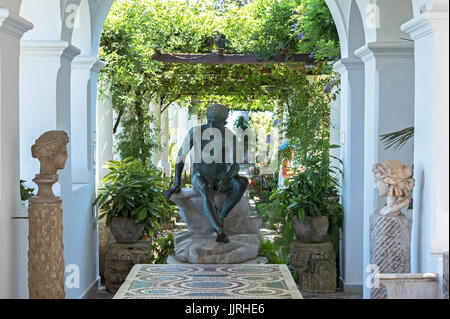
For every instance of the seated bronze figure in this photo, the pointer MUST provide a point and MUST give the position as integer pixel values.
(221, 174)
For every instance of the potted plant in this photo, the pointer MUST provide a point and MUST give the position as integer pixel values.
(309, 203)
(131, 198)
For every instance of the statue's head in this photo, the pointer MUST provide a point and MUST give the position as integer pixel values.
(50, 148)
(217, 115)
(393, 178)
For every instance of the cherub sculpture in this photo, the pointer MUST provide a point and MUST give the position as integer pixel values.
(394, 181)
(51, 151)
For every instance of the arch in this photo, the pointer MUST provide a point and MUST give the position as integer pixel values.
(99, 11)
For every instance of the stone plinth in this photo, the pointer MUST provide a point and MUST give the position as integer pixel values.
(390, 247)
(445, 276)
(46, 251)
(316, 264)
(120, 259)
(198, 245)
(104, 238)
(409, 286)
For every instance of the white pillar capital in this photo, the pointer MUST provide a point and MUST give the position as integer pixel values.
(49, 49)
(98, 66)
(13, 25)
(386, 50)
(348, 65)
(426, 23)
(90, 63)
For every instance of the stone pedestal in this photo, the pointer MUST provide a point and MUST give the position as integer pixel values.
(390, 247)
(104, 239)
(410, 286)
(120, 258)
(46, 251)
(316, 264)
(445, 276)
(198, 245)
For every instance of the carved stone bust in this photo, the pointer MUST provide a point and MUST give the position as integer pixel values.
(51, 151)
(395, 181)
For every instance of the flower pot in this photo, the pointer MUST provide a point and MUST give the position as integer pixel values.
(312, 230)
(125, 230)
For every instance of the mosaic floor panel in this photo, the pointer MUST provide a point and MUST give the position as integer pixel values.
(209, 282)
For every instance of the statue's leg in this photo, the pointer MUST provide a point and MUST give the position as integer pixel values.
(201, 186)
(238, 185)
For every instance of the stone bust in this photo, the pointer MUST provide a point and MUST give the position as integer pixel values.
(51, 151)
(395, 181)
(221, 174)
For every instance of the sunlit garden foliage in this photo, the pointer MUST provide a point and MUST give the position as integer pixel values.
(134, 31)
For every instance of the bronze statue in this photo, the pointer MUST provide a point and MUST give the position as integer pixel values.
(220, 174)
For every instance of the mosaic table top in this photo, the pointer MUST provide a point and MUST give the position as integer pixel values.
(209, 282)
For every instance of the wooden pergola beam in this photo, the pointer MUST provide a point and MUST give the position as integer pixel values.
(215, 58)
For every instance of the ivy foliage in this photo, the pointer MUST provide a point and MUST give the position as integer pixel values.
(136, 30)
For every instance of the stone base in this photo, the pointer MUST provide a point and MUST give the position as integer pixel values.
(390, 247)
(445, 276)
(105, 238)
(204, 249)
(172, 260)
(316, 264)
(199, 246)
(410, 286)
(46, 251)
(120, 259)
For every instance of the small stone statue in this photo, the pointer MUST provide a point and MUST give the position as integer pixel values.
(219, 175)
(394, 180)
(51, 151)
(45, 220)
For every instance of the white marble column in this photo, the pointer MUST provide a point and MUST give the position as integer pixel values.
(12, 28)
(389, 107)
(104, 133)
(155, 125)
(351, 140)
(165, 140)
(184, 125)
(429, 30)
(84, 72)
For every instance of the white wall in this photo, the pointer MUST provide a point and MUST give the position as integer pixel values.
(57, 93)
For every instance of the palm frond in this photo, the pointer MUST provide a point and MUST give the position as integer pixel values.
(398, 139)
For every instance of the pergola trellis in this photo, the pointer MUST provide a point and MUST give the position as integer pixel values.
(219, 58)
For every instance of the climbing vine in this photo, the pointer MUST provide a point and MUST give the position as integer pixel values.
(136, 30)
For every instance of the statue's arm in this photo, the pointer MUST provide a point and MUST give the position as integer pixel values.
(181, 158)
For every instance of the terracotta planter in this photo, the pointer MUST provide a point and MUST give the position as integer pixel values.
(125, 230)
(312, 230)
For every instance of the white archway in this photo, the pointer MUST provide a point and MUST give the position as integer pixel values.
(377, 72)
(59, 73)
